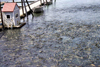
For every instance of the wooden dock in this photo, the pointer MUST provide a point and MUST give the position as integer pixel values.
(33, 6)
(16, 27)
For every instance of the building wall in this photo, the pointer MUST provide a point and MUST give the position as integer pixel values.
(8, 13)
(5, 17)
(17, 19)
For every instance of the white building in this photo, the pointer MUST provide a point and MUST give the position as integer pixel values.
(11, 15)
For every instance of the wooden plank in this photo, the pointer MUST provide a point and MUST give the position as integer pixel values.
(16, 27)
(25, 1)
(1, 27)
(1, 16)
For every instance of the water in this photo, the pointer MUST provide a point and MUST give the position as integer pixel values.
(19, 4)
(15, 0)
(66, 34)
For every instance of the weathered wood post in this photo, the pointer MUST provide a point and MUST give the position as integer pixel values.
(46, 2)
(13, 0)
(29, 7)
(51, 0)
(25, 9)
(41, 2)
(22, 7)
(55, 0)
(1, 16)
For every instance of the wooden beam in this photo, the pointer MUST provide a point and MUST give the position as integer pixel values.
(25, 1)
(12, 0)
(25, 8)
(22, 7)
(41, 2)
(46, 1)
(1, 15)
(29, 7)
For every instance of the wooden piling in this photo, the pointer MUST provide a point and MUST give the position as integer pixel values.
(28, 5)
(22, 7)
(25, 8)
(33, 6)
(41, 2)
(1, 15)
(29, 8)
(46, 2)
(12, 0)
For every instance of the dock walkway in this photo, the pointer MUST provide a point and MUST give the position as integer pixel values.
(32, 6)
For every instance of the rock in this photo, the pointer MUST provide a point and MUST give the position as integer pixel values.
(26, 48)
(38, 9)
(93, 65)
(40, 51)
(65, 38)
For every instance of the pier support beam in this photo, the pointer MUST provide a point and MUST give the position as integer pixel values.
(29, 7)
(12, 0)
(25, 9)
(1, 16)
(41, 2)
(22, 7)
(46, 2)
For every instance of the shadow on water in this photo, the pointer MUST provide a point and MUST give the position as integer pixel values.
(38, 14)
(2, 33)
(12, 34)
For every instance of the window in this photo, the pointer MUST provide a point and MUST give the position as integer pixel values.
(16, 15)
(8, 16)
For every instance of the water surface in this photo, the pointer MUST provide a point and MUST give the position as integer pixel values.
(66, 34)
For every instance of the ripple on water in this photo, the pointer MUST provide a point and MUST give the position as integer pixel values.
(59, 37)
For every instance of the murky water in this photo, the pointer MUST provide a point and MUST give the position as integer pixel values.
(66, 34)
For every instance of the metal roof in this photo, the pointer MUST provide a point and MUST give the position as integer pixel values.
(9, 7)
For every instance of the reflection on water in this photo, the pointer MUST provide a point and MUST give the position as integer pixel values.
(59, 37)
(38, 14)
